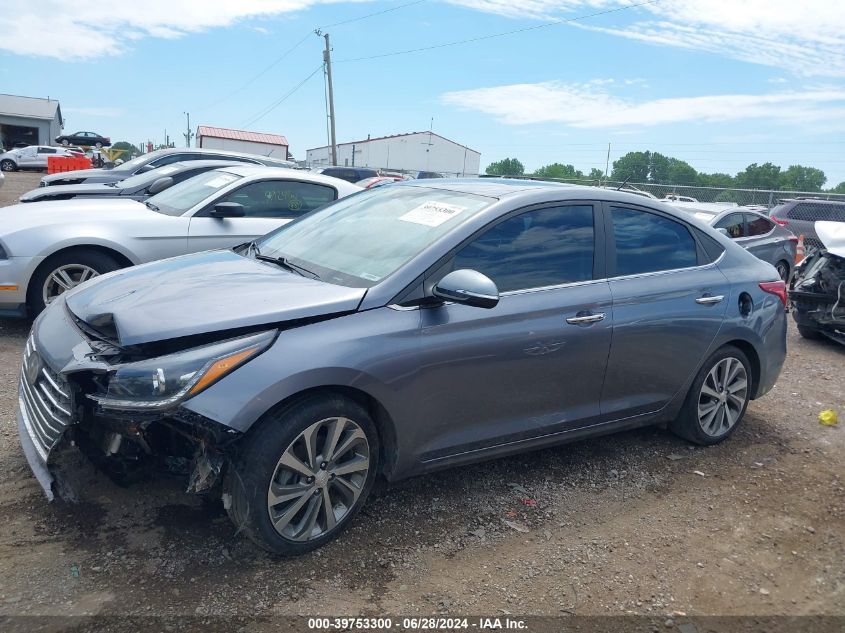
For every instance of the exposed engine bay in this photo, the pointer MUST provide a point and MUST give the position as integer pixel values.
(818, 288)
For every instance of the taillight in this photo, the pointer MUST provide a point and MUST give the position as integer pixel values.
(778, 220)
(777, 288)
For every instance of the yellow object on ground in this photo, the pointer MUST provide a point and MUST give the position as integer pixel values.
(828, 417)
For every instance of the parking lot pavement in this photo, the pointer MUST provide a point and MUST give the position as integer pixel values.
(634, 523)
(18, 182)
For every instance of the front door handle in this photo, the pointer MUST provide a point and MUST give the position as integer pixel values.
(710, 300)
(587, 318)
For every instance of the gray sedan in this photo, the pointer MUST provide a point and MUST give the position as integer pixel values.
(140, 187)
(46, 248)
(401, 330)
(754, 232)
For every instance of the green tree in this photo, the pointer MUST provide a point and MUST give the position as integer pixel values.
(800, 178)
(634, 166)
(715, 180)
(840, 188)
(556, 170)
(765, 176)
(595, 174)
(506, 167)
(129, 149)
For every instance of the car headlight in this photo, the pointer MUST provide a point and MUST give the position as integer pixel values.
(163, 382)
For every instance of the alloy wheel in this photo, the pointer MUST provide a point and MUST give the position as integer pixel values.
(318, 479)
(723, 396)
(7, 165)
(783, 271)
(64, 278)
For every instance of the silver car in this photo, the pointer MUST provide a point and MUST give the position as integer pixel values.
(47, 248)
(753, 231)
(401, 330)
(30, 157)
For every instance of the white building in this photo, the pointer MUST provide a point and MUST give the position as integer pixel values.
(29, 121)
(410, 153)
(273, 145)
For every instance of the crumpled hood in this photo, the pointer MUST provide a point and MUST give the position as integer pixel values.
(57, 191)
(832, 235)
(200, 293)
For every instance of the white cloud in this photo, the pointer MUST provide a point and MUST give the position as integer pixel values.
(590, 105)
(805, 38)
(86, 29)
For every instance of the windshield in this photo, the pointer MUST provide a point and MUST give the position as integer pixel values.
(360, 240)
(147, 178)
(181, 197)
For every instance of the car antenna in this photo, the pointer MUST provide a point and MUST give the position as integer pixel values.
(624, 182)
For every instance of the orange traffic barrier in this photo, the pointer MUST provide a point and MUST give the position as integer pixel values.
(799, 250)
(61, 164)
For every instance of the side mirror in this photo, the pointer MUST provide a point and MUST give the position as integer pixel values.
(724, 232)
(159, 185)
(145, 169)
(469, 287)
(228, 210)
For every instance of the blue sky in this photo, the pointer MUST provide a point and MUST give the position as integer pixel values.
(717, 83)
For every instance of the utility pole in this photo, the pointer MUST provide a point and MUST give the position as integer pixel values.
(188, 134)
(607, 164)
(327, 60)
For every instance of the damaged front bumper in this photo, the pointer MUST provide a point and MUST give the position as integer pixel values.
(57, 417)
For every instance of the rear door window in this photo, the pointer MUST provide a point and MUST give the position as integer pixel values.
(647, 242)
(734, 224)
(758, 225)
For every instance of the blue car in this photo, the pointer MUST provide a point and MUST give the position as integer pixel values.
(398, 331)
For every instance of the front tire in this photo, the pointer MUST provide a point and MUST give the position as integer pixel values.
(65, 142)
(303, 474)
(717, 399)
(809, 333)
(8, 165)
(61, 272)
(783, 270)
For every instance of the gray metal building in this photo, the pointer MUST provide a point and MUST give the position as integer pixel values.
(29, 120)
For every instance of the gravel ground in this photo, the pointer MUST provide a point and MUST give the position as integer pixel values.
(635, 523)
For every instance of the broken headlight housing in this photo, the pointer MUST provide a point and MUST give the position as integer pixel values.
(163, 382)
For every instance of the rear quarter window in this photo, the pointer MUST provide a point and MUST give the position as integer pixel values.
(647, 242)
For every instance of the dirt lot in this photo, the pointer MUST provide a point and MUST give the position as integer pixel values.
(637, 523)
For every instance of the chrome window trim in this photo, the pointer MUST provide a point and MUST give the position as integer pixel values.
(671, 270)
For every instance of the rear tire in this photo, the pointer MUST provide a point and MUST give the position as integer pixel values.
(809, 333)
(783, 270)
(717, 399)
(288, 510)
(8, 165)
(78, 266)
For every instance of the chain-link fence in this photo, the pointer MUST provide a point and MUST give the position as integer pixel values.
(728, 195)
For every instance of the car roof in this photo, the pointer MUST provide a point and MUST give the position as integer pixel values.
(262, 171)
(208, 150)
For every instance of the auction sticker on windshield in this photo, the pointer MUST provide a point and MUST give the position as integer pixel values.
(432, 213)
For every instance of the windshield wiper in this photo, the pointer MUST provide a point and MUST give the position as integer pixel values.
(150, 205)
(286, 263)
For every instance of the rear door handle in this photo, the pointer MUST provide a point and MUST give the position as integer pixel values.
(587, 318)
(709, 300)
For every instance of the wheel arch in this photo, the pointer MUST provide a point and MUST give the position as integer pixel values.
(753, 357)
(383, 420)
(118, 255)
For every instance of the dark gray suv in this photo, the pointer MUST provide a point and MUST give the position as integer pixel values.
(801, 214)
(397, 331)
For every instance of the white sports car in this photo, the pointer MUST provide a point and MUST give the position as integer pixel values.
(49, 247)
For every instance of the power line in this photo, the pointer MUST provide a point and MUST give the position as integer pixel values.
(495, 35)
(371, 15)
(282, 99)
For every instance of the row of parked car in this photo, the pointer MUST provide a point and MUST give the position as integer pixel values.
(326, 334)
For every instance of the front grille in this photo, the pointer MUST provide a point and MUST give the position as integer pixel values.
(46, 400)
